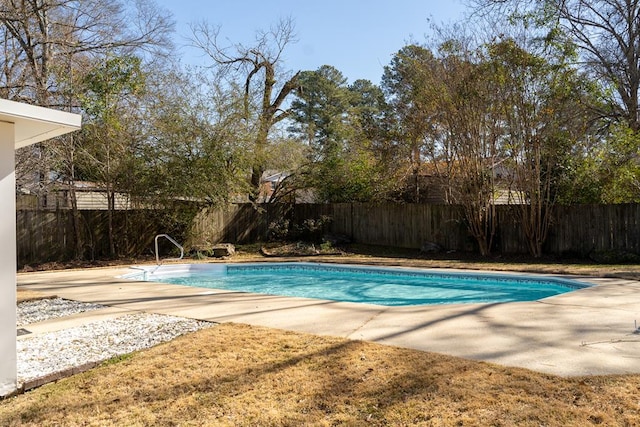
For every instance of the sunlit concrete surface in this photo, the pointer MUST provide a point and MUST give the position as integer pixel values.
(591, 331)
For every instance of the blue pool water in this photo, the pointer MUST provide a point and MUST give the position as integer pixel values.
(371, 285)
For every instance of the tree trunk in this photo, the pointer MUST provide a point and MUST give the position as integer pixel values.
(110, 209)
(75, 220)
(481, 225)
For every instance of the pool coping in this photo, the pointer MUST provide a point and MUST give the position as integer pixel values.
(590, 331)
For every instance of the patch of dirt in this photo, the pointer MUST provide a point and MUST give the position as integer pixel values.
(298, 249)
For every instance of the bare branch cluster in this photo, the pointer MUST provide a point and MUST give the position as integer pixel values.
(265, 87)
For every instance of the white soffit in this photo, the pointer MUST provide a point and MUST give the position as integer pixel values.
(35, 124)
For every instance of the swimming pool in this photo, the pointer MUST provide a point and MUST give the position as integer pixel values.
(387, 286)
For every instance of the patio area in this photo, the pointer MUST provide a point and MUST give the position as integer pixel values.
(591, 331)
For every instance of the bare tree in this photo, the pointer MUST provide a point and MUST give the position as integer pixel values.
(607, 35)
(472, 141)
(48, 45)
(257, 69)
(46, 35)
(541, 102)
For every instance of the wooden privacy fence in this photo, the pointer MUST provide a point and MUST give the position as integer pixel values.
(577, 230)
(49, 236)
(404, 226)
(391, 225)
(586, 228)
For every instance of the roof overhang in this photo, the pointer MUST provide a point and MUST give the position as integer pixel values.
(35, 124)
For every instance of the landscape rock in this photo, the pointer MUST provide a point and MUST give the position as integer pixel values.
(49, 356)
(431, 247)
(223, 250)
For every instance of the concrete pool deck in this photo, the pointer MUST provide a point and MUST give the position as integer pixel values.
(591, 331)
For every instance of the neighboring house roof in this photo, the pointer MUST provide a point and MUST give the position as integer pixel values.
(88, 195)
(272, 176)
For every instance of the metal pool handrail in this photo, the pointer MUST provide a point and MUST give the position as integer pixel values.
(169, 238)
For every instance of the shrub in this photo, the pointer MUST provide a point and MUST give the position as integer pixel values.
(311, 229)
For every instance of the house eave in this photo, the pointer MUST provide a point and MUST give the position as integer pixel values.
(33, 124)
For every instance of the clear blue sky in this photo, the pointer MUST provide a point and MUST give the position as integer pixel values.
(358, 37)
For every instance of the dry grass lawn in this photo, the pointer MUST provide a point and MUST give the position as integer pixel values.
(237, 375)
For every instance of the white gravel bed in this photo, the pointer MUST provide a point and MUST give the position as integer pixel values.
(44, 309)
(53, 352)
